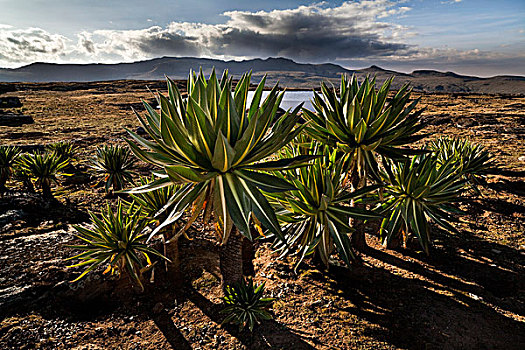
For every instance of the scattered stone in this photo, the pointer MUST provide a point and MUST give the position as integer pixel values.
(76, 179)
(10, 216)
(15, 120)
(474, 296)
(10, 102)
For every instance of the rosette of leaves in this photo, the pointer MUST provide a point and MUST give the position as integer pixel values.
(364, 123)
(315, 216)
(64, 150)
(43, 168)
(154, 205)
(216, 146)
(418, 191)
(115, 239)
(115, 163)
(245, 304)
(8, 157)
(472, 160)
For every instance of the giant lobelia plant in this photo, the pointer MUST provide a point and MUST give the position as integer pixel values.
(365, 124)
(472, 160)
(416, 192)
(217, 146)
(316, 214)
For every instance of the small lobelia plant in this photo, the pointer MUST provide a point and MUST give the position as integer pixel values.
(155, 204)
(155, 207)
(315, 216)
(116, 239)
(217, 147)
(472, 161)
(22, 174)
(64, 150)
(43, 168)
(418, 191)
(245, 305)
(115, 163)
(8, 157)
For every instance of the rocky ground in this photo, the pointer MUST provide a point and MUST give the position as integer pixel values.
(468, 294)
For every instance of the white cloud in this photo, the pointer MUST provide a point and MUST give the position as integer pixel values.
(353, 33)
(315, 32)
(31, 44)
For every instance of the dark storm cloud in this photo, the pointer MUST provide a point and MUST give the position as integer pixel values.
(315, 33)
(321, 46)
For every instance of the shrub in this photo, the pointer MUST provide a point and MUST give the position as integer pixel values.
(245, 305)
(418, 191)
(116, 240)
(8, 157)
(42, 168)
(115, 163)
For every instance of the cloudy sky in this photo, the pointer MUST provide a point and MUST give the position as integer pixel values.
(466, 36)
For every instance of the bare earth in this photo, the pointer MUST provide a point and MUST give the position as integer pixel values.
(469, 294)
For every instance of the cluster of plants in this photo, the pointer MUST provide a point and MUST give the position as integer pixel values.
(309, 187)
(36, 168)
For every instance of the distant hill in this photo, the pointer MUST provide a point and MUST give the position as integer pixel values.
(287, 72)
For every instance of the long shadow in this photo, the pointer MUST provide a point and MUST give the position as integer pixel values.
(270, 334)
(419, 314)
(466, 274)
(515, 187)
(172, 334)
(509, 173)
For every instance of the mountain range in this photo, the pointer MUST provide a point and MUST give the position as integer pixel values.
(289, 73)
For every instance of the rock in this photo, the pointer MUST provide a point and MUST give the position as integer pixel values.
(6, 87)
(22, 200)
(76, 179)
(7, 218)
(15, 119)
(10, 102)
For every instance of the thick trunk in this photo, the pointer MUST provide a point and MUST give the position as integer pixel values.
(397, 241)
(46, 190)
(358, 238)
(3, 180)
(171, 251)
(231, 259)
(248, 254)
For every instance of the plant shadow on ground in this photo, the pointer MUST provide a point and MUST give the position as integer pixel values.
(201, 256)
(449, 305)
